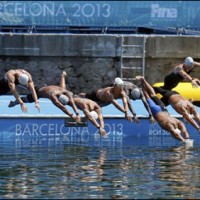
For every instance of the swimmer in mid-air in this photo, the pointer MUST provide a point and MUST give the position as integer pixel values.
(161, 115)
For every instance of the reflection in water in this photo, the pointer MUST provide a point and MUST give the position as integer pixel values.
(80, 172)
(181, 170)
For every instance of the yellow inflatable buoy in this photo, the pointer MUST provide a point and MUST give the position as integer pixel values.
(185, 89)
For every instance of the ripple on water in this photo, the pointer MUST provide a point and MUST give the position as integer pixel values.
(72, 172)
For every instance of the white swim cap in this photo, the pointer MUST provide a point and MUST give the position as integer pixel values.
(23, 79)
(178, 131)
(118, 81)
(135, 93)
(189, 62)
(63, 99)
(94, 114)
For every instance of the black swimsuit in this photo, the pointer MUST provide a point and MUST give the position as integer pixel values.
(166, 94)
(94, 97)
(4, 88)
(171, 80)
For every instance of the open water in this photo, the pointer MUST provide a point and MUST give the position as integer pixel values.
(83, 172)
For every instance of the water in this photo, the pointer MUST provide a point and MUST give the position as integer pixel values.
(82, 172)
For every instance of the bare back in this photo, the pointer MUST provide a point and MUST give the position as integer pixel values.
(13, 74)
(52, 90)
(166, 121)
(128, 87)
(162, 118)
(180, 103)
(110, 93)
(84, 103)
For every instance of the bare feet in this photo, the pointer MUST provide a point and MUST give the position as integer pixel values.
(64, 73)
(139, 78)
(11, 104)
(82, 95)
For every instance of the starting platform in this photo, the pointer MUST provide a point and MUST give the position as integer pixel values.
(51, 126)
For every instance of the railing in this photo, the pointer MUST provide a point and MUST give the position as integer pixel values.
(98, 29)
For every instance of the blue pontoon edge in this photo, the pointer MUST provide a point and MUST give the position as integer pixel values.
(51, 126)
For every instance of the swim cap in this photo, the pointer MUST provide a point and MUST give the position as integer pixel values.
(135, 93)
(23, 79)
(63, 99)
(94, 114)
(188, 62)
(118, 81)
(178, 131)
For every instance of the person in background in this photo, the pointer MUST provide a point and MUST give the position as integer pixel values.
(181, 105)
(160, 113)
(179, 73)
(18, 77)
(108, 95)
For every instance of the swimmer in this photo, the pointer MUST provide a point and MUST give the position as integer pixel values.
(179, 73)
(18, 77)
(160, 113)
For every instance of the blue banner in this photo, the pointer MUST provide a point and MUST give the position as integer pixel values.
(101, 13)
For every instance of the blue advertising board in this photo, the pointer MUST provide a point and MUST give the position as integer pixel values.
(51, 126)
(101, 13)
(120, 132)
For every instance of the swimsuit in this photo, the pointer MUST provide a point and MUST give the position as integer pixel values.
(4, 88)
(94, 97)
(154, 107)
(158, 102)
(172, 79)
(166, 94)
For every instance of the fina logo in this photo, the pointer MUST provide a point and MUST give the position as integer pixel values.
(158, 12)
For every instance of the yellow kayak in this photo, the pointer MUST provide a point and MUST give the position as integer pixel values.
(185, 89)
